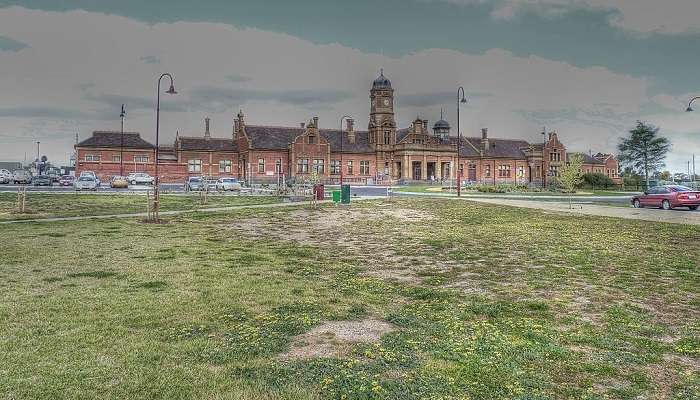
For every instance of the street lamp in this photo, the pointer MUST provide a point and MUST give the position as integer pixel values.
(544, 143)
(171, 90)
(689, 109)
(460, 100)
(121, 149)
(349, 118)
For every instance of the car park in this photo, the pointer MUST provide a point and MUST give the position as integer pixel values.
(42, 180)
(194, 183)
(223, 184)
(86, 182)
(66, 180)
(118, 182)
(21, 176)
(140, 178)
(668, 197)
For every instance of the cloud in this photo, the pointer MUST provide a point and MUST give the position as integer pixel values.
(278, 79)
(639, 16)
(9, 44)
(150, 59)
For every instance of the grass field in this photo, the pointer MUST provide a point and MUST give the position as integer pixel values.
(47, 205)
(437, 188)
(413, 299)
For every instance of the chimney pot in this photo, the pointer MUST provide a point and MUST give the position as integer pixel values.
(302, 125)
(206, 128)
(315, 122)
(484, 133)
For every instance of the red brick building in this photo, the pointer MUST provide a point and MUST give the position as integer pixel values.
(380, 154)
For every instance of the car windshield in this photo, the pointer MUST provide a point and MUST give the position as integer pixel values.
(195, 179)
(68, 177)
(680, 188)
(230, 180)
(42, 177)
(86, 179)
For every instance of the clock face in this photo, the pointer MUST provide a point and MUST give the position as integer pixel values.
(386, 102)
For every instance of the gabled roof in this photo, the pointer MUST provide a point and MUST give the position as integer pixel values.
(587, 159)
(211, 144)
(502, 148)
(280, 137)
(114, 139)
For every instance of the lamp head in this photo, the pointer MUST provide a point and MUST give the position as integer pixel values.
(171, 90)
(123, 113)
(464, 100)
(689, 109)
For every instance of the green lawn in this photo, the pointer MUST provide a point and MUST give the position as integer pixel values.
(47, 205)
(484, 302)
(437, 189)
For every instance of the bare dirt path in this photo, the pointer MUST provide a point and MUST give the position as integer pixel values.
(680, 216)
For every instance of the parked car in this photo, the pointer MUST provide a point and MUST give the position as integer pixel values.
(66, 180)
(118, 182)
(5, 176)
(21, 176)
(54, 174)
(42, 180)
(224, 184)
(140, 178)
(91, 174)
(668, 197)
(86, 182)
(194, 183)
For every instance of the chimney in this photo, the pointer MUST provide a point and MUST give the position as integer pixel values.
(238, 125)
(207, 135)
(236, 128)
(549, 136)
(351, 129)
(316, 122)
(302, 125)
(425, 126)
(485, 138)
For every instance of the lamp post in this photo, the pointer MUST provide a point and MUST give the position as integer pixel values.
(544, 143)
(460, 100)
(690, 103)
(341, 148)
(156, 194)
(121, 148)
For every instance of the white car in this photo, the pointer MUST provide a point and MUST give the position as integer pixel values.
(140, 178)
(92, 175)
(224, 184)
(85, 182)
(5, 176)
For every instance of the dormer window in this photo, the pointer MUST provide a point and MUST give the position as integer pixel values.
(312, 139)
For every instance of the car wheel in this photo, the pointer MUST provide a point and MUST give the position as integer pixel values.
(636, 203)
(666, 205)
(693, 208)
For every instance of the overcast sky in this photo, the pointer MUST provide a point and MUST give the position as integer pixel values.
(585, 68)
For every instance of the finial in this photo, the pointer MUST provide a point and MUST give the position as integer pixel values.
(441, 113)
(381, 71)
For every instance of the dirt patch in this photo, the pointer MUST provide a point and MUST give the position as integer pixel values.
(335, 338)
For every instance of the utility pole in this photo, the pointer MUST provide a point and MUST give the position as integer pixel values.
(695, 177)
(37, 149)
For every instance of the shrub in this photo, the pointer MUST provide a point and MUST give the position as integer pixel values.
(597, 179)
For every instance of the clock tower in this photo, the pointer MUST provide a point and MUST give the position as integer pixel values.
(382, 127)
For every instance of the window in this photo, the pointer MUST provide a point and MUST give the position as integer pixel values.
(92, 157)
(194, 165)
(278, 166)
(538, 171)
(140, 158)
(553, 170)
(521, 171)
(261, 165)
(303, 166)
(318, 166)
(555, 156)
(350, 171)
(335, 167)
(364, 167)
(117, 158)
(224, 166)
(312, 139)
(387, 137)
(504, 171)
(487, 170)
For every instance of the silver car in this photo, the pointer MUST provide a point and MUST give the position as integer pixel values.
(85, 183)
(140, 178)
(224, 184)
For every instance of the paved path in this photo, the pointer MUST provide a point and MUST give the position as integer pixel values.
(680, 216)
(166, 213)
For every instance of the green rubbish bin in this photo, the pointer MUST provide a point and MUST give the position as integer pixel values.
(336, 196)
(345, 194)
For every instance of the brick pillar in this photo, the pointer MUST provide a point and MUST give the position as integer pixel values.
(438, 169)
(406, 166)
(424, 168)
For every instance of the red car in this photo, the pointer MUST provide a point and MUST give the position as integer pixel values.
(66, 180)
(668, 197)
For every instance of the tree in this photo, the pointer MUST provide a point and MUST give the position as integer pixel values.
(570, 175)
(597, 179)
(665, 176)
(643, 150)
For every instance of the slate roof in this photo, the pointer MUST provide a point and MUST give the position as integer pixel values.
(212, 144)
(280, 137)
(114, 139)
(498, 148)
(586, 158)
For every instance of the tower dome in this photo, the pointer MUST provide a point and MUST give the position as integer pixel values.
(381, 82)
(441, 128)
